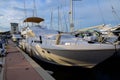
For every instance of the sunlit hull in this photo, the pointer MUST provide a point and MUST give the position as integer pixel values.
(84, 58)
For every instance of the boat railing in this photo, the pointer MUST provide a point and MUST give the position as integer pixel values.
(75, 41)
(49, 41)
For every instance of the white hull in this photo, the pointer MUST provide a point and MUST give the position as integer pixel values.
(71, 51)
(84, 58)
(64, 48)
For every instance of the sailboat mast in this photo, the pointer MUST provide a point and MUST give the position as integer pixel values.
(51, 18)
(71, 16)
(58, 18)
(25, 11)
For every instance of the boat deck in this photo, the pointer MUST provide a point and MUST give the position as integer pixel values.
(19, 66)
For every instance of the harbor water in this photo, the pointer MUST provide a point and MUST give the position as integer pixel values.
(106, 70)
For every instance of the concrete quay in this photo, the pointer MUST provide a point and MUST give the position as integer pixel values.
(17, 65)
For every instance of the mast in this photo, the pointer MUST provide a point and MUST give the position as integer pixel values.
(34, 10)
(51, 24)
(58, 19)
(25, 12)
(71, 16)
(25, 9)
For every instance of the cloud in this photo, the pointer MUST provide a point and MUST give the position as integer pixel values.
(48, 1)
(93, 14)
(1, 15)
(86, 12)
(22, 9)
(2, 29)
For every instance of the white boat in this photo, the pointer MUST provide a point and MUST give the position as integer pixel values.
(16, 37)
(100, 33)
(64, 48)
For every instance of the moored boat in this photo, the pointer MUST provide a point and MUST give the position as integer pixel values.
(64, 48)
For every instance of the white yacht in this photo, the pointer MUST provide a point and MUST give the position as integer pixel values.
(63, 48)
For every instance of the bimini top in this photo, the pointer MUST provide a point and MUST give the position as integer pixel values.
(34, 19)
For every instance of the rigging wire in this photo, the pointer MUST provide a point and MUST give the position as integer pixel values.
(115, 17)
(34, 10)
(58, 18)
(64, 16)
(74, 18)
(71, 16)
(117, 4)
(100, 10)
(76, 22)
(74, 13)
(25, 12)
(114, 11)
(61, 20)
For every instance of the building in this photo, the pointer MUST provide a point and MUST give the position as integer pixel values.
(15, 31)
(14, 28)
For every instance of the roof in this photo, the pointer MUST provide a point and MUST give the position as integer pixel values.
(34, 19)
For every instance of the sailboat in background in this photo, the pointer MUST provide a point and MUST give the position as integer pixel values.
(63, 48)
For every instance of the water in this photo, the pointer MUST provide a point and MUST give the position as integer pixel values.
(107, 70)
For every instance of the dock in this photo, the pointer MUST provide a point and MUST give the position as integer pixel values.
(17, 65)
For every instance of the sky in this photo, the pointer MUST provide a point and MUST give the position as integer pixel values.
(86, 13)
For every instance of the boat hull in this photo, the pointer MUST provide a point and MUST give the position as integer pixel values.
(84, 58)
